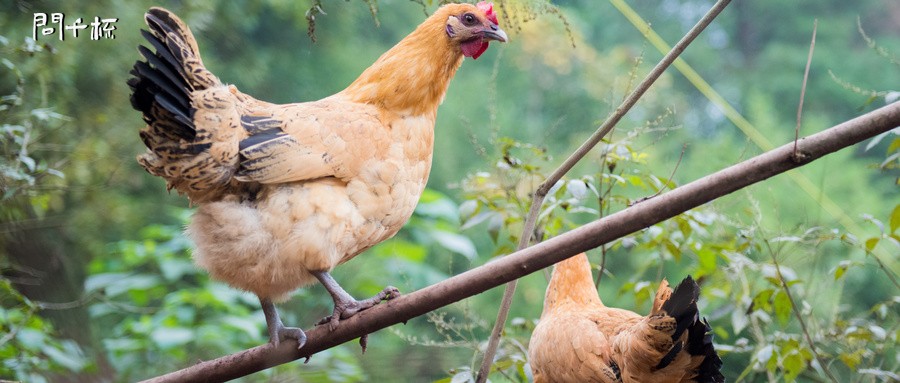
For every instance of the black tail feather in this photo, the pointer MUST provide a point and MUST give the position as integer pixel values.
(682, 305)
(700, 343)
(164, 56)
(163, 35)
(162, 85)
(175, 80)
(161, 88)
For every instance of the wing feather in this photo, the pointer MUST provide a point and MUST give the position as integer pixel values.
(269, 155)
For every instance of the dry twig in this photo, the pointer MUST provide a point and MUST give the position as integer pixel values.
(812, 45)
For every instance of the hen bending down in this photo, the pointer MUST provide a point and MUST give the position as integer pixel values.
(288, 192)
(578, 339)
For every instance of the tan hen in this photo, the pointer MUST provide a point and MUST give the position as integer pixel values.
(578, 339)
(288, 192)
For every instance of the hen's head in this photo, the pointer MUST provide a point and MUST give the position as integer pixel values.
(473, 27)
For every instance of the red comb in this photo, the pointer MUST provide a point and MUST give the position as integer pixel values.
(488, 9)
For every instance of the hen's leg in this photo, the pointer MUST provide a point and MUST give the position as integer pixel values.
(345, 305)
(277, 331)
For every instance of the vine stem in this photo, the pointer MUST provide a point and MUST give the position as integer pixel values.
(574, 158)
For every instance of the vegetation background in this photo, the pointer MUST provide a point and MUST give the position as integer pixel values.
(97, 282)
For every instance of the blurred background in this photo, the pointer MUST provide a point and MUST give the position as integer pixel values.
(97, 282)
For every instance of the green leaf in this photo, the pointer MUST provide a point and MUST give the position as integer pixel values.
(895, 144)
(782, 305)
(889, 159)
(174, 268)
(577, 189)
(250, 327)
(765, 355)
(788, 238)
(684, 226)
(841, 269)
(707, 264)
(467, 209)
(793, 364)
(739, 320)
(761, 300)
(132, 282)
(31, 339)
(28, 162)
(436, 205)
(642, 292)
(674, 250)
(469, 222)
(70, 359)
(456, 243)
(887, 375)
(463, 376)
(852, 359)
(494, 226)
(895, 219)
(871, 243)
(874, 221)
(402, 249)
(46, 114)
(877, 332)
(875, 141)
(168, 337)
(99, 281)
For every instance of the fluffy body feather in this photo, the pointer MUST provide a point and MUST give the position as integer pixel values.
(286, 192)
(579, 339)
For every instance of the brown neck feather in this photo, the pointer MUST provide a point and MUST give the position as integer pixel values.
(412, 77)
(571, 283)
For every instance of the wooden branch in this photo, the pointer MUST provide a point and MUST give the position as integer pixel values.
(546, 253)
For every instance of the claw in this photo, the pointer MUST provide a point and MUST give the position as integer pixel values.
(277, 330)
(364, 342)
(282, 332)
(346, 306)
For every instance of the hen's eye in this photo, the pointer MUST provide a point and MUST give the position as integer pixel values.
(469, 19)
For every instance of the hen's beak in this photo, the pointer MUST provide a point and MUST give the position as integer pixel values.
(495, 33)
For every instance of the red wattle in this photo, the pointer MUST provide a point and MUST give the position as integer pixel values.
(474, 48)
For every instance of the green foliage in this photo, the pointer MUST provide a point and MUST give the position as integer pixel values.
(158, 309)
(29, 349)
(25, 171)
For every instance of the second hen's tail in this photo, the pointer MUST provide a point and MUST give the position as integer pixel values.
(681, 305)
